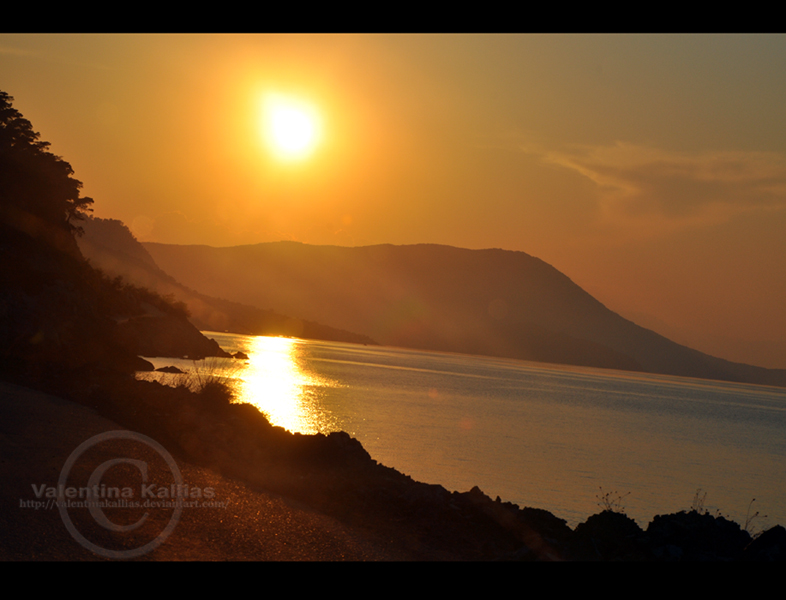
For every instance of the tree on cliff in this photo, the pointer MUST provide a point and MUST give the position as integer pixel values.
(37, 188)
(59, 316)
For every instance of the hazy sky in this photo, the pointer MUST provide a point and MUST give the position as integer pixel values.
(651, 169)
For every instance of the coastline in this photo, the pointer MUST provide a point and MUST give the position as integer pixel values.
(332, 502)
(38, 432)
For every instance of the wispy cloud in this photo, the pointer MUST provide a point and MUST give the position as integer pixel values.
(636, 181)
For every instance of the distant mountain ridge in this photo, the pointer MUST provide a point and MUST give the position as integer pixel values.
(110, 246)
(489, 302)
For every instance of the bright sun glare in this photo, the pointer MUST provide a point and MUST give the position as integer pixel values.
(290, 127)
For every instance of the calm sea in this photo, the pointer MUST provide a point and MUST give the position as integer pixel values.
(552, 437)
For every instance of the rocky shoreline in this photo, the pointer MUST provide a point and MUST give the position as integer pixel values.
(336, 476)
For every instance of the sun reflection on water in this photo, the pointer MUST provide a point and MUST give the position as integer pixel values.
(276, 382)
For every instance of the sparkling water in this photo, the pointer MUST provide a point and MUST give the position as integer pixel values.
(571, 440)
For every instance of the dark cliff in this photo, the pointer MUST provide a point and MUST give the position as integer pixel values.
(58, 315)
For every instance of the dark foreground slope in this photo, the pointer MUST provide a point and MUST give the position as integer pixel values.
(489, 302)
(58, 316)
(378, 513)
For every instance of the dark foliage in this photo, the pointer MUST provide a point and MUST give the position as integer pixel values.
(36, 187)
(58, 314)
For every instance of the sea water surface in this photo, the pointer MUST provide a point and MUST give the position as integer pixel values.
(565, 439)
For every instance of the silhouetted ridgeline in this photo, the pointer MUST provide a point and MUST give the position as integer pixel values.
(489, 302)
(110, 246)
(68, 327)
(59, 316)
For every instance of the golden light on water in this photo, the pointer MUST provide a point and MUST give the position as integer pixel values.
(276, 383)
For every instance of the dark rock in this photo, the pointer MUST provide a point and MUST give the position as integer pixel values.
(550, 530)
(140, 364)
(170, 369)
(240, 355)
(696, 536)
(426, 494)
(531, 534)
(348, 446)
(769, 546)
(608, 535)
(166, 335)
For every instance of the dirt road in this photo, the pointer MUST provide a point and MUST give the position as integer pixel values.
(38, 434)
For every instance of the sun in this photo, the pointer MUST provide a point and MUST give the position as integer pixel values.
(291, 127)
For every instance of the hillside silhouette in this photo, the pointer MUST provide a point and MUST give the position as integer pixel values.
(60, 317)
(110, 246)
(67, 327)
(488, 302)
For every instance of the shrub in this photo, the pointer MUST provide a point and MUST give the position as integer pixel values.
(611, 501)
(211, 382)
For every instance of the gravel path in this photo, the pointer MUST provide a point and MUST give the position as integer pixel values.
(39, 432)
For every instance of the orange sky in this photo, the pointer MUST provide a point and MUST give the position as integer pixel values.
(651, 169)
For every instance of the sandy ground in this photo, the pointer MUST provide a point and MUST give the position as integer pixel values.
(38, 434)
